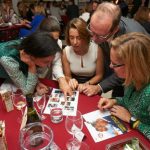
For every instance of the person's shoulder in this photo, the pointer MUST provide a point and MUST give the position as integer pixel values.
(147, 88)
(59, 42)
(68, 47)
(10, 42)
(93, 46)
(146, 94)
(131, 25)
(6, 45)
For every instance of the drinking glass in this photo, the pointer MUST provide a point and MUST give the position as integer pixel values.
(41, 103)
(74, 144)
(19, 101)
(74, 124)
(36, 136)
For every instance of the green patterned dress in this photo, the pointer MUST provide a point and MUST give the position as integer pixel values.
(11, 67)
(138, 104)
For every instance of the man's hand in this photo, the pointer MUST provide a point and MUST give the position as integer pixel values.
(92, 90)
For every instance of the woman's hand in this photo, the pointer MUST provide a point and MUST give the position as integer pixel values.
(105, 103)
(73, 83)
(64, 86)
(28, 60)
(41, 89)
(121, 113)
(25, 23)
(81, 87)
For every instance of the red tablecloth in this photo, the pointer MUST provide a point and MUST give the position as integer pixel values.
(9, 32)
(85, 105)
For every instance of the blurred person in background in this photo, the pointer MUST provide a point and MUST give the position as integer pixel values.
(30, 12)
(22, 9)
(39, 15)
(85, 14)
(143, 17)
(72, 10)
(6, 12)
(136, 4)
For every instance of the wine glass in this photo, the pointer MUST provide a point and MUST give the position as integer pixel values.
(41, 102)
(74, 124)
(74, 144)
(19, 101)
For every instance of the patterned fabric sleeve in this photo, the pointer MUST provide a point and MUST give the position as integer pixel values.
(145, 114)
(120, 101)
(26, 84)
(138, 103)
(145, 129)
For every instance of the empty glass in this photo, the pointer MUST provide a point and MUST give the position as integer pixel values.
(36, 136)
(74, 144)
(74, 124)
(41, 103)
(19, 102)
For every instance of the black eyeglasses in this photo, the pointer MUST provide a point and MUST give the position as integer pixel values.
(105, 37)
(116, 65)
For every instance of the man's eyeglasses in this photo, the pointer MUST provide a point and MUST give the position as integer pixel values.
(116, 65)
(105, 37)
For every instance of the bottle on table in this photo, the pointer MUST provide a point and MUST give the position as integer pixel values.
(32, 117)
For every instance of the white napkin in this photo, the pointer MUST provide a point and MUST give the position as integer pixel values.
(8, 86)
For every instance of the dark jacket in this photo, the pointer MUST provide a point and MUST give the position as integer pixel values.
(111, 81)
(72, 11)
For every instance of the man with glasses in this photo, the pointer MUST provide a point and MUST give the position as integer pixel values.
(106, 23)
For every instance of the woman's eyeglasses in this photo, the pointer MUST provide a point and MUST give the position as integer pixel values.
(116, 65)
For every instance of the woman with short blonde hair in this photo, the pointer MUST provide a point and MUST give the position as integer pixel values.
(130, 59)
(130, 47)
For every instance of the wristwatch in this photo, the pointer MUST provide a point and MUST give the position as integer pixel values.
(132, 121)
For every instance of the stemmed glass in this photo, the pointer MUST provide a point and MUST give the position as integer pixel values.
(19, 101)
(41, 102)
(74, 124)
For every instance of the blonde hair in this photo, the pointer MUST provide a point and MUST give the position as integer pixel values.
(110, 9)
(142, 14)
(134, 49)
(39, 10)
(80, 25)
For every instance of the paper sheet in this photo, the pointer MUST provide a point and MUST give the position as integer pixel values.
(57, 100)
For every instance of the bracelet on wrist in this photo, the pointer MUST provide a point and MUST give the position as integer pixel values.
(88, 82)
(134, 122)
(100, 89)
